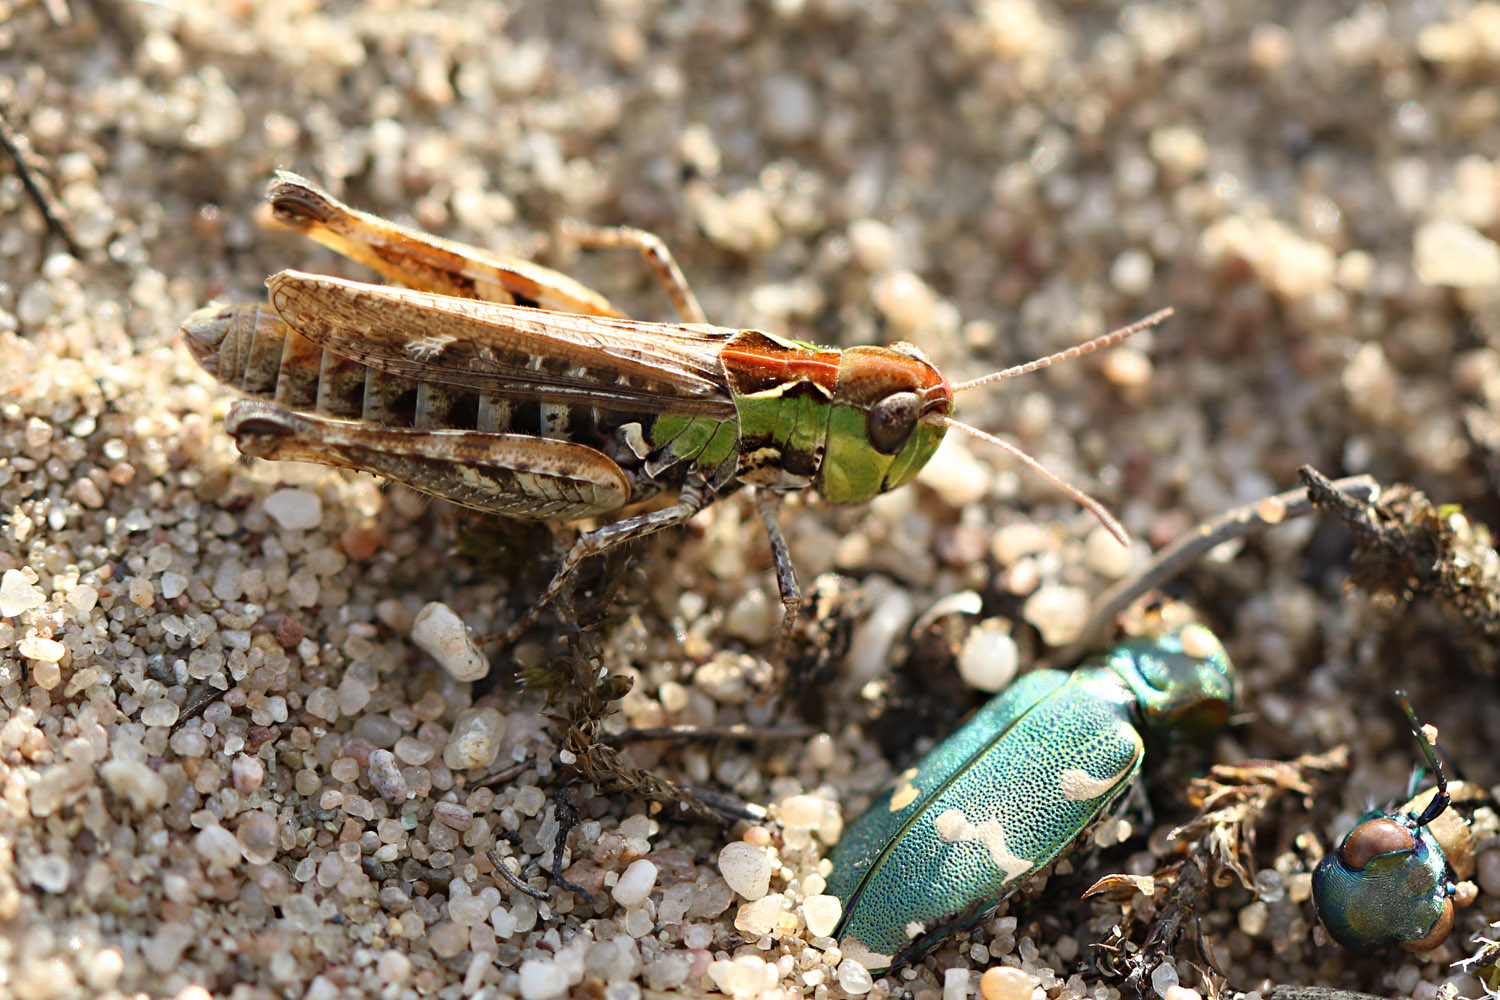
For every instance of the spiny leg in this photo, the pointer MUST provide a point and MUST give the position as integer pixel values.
(768, 506)
(690, 501)
(651, 247)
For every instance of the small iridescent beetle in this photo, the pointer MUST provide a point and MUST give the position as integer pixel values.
(1015, 788)
(1398, 876)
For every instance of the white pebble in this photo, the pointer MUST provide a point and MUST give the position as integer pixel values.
(36, 647)
(854, 978)
(51, 873)
(1107, 557)
(790, 106)
(1058, 612)
(955, 984)
(746, 869)
(83, 598)
(1448, 252)
(468, 910)
(635, 883)
(386, 778)
(295, 510)
(989, 657)
(805, 811)
(135, 781)
(1131, 272)
(745, 976)
(822, 914)
(475, 740)
(542, 980)
(890, 613)
(172, 585)
(218, 847)
(760, 916)
(17, 594)
(160, 713)
(443, 635)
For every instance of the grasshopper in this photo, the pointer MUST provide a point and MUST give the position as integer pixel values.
(510, 388)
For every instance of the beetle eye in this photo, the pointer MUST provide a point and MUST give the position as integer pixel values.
(891, 421)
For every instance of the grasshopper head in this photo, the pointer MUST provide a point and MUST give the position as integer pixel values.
(884, 425)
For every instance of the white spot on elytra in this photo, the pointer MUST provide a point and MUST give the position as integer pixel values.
(1078, 785)
(857, 951)
(954, 827)
(915, 929)
(906, 793)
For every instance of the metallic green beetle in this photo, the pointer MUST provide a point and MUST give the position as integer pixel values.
(1397, 877)
(1013, 789)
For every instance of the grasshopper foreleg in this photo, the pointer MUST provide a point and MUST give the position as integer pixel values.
(768, 506)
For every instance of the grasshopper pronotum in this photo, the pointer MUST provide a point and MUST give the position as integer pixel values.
(510, 388)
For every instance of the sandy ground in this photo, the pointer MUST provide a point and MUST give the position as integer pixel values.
(222, 757)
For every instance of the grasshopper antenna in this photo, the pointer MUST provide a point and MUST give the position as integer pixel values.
(1100, 342)
(1093, 506)
(1111, 525)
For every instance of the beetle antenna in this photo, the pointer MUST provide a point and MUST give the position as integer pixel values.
(1077, 351)
(1429, 750)
(1093, 506)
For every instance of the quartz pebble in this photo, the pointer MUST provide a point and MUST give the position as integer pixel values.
(745, 976)
(475, 740)
(746, 868)
(822, 914)
(295, 510)
(17, 594)
(854, 978)
(1006, 982)
(444, 636)
(1448, 252)
(759, 916)
(1058, 612)
(989, 657)
(35, 647)
(635, 883)
(542, 980)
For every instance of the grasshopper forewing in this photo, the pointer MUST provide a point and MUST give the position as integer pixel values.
(510, 388)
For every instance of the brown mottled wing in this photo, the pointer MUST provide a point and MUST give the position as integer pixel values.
(508, 350)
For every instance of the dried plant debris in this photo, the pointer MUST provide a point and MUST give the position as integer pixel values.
(1232, 798)
(1406, 546)
(1174, 900)
(31, 170)
(1149, 967)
